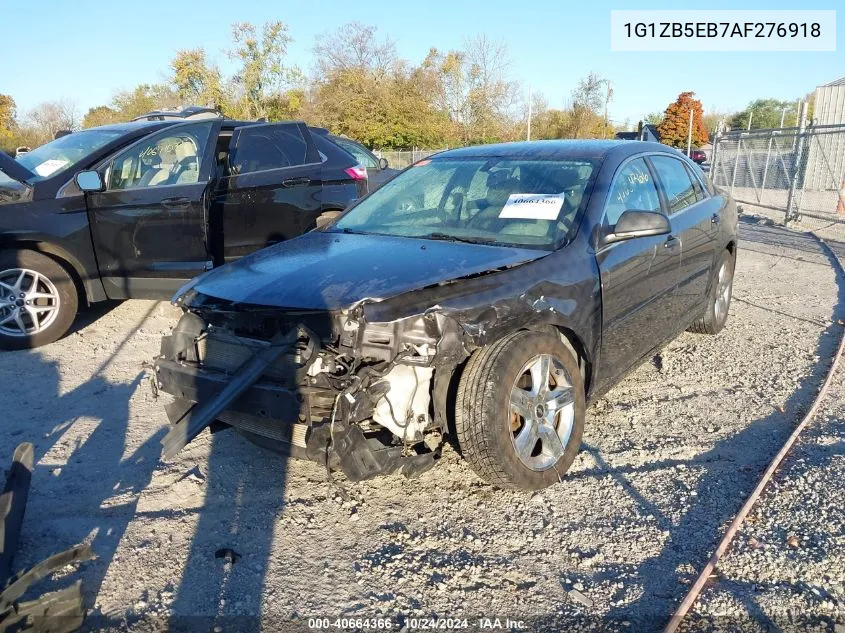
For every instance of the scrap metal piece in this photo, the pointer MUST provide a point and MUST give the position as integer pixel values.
(20, 583)
(57, 612)
(203, 414)
(13, 505)
(60, 611)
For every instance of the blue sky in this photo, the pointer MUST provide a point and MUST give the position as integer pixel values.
(85, 50)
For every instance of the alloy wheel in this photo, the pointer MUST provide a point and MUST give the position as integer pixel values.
(724, 283)
(29, 302)
(542, 412)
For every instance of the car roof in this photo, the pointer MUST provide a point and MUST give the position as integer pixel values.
(131, 126)
(555, 149)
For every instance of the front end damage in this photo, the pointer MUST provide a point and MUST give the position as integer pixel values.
(365, 398)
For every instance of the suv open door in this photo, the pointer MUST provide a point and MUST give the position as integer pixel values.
(271, 187)
(149, 222)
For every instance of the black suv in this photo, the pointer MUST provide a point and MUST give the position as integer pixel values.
(136, 209)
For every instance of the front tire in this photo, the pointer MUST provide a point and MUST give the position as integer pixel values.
(719, 297)
(38, 299)
(519, 411)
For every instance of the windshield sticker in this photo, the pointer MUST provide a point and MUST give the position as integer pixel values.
(51, 166)
(532, 206)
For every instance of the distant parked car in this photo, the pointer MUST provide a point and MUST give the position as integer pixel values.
(697, 155)
(134, 210)
(378, 169)
(20, 151)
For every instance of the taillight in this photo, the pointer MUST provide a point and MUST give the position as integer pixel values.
(359, 172)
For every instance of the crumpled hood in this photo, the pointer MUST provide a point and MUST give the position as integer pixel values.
(336, 270)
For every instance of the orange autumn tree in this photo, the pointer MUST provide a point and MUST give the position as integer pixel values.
(675, 125)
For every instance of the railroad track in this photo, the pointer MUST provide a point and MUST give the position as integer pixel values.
(695, 591)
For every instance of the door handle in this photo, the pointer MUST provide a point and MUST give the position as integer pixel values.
(296, 182)
(671, 242)
(715, 219)
(176, 203)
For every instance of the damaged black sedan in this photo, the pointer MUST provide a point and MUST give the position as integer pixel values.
(482, 296)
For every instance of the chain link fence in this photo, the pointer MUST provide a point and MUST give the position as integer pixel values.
(402, 159)
(793, 175)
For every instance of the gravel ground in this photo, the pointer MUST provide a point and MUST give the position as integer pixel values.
(669, 456)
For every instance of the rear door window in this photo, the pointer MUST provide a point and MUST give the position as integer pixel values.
(276, 146)
(677, 183)
(360, 154)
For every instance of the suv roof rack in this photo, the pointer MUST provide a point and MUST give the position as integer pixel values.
(190, 112)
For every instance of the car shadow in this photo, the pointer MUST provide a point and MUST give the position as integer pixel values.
(88, 476)
(665, 577)
(230, 554)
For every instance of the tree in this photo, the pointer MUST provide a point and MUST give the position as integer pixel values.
(354, 46)
(764, 114)
(7, 122)
(49, 117)
(262, 72)
(674, 128)
(196, 81)
(473, 88)
(713, 119)
(100, 115)
(590, 96)
(653, 118)
(142, 99)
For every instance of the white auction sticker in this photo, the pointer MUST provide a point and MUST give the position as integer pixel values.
(532, 206)
(49, 167)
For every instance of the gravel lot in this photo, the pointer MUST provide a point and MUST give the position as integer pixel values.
(669, 457)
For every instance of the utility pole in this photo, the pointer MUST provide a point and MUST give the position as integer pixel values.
(606, 102)
(528, 134)
(783, 115)
(689, 134)
(750, 116)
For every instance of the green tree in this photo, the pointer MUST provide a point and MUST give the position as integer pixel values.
(7, 123)
(142, 99)
(674, 128)
(100, 115)
(262, 71)
(653, 118)
(764, 114)
(588, 100)
(195, 80)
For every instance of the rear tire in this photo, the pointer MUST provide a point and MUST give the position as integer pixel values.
(38, 299)
(519, 418)
(718, 298)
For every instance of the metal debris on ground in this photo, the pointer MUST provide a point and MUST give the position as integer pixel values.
(58, 611)
(228, 554)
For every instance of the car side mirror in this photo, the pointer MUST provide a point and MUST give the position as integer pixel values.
(383, 164)
(633, 223)
(90, 181)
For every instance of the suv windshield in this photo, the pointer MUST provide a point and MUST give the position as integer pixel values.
(533, 203)
(55, 156)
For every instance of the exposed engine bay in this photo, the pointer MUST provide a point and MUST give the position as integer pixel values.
(325, 386)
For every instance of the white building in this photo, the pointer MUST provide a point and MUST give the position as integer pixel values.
(830, 103)
(826, 159)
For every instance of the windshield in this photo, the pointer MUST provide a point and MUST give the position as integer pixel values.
(55, 156)
(533, 203)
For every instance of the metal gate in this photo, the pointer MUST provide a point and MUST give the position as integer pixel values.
(790, 174)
